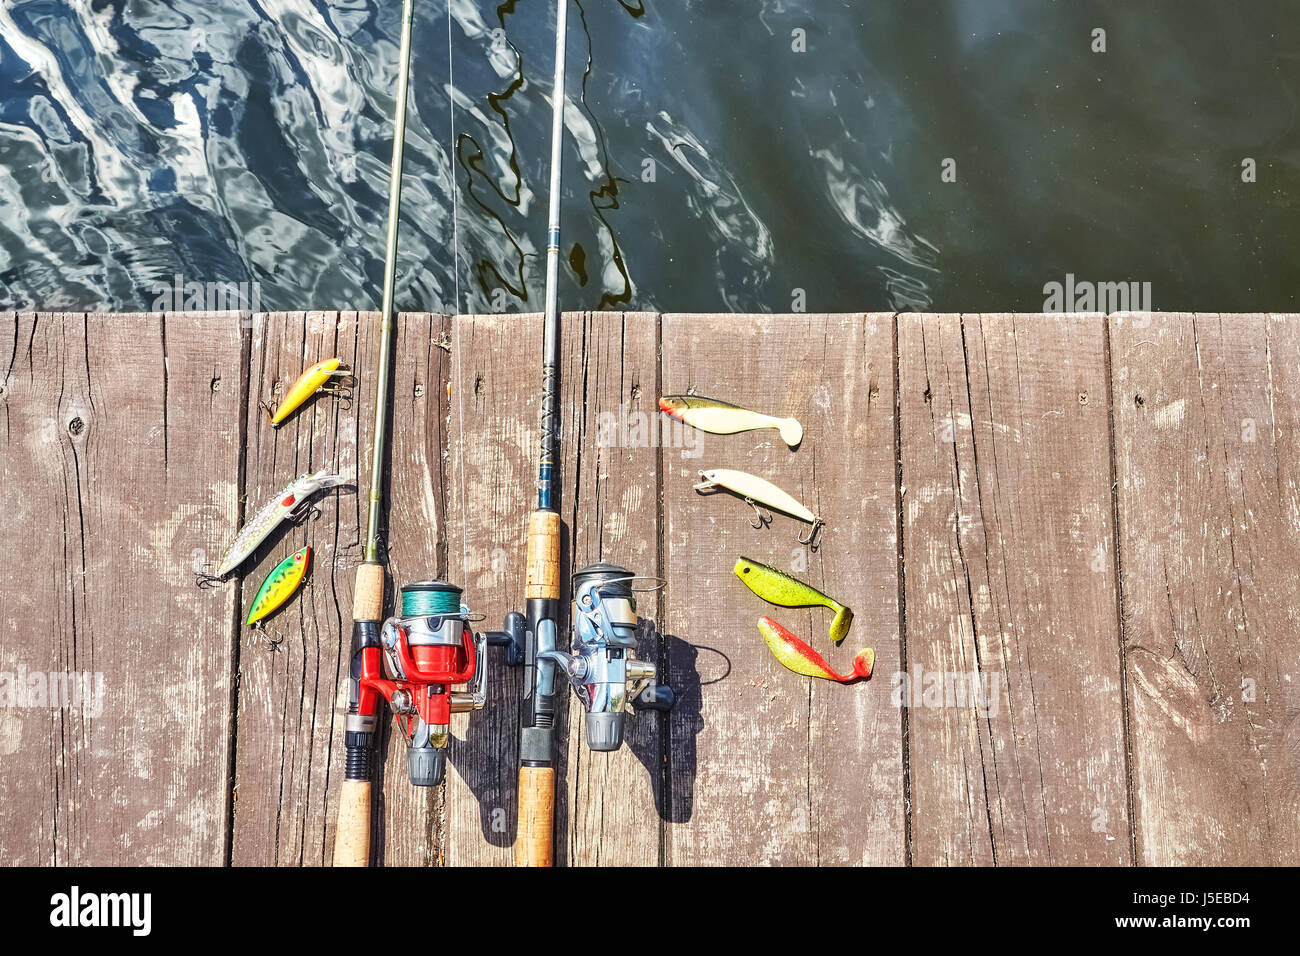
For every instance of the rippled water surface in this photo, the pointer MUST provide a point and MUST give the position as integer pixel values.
(711, 164)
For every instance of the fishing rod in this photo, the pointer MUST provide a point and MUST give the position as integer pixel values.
(542, 589)
(352, 839)
(602, 671)
(412, 660)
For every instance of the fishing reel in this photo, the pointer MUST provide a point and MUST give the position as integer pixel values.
(604, 674)
(427, 649)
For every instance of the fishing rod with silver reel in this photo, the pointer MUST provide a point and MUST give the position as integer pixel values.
(601, 667)
(600, 664)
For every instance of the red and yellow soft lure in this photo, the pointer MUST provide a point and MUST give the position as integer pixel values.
(797, 656)
(279, 585)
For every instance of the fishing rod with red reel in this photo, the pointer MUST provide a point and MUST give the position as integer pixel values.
(413, 663)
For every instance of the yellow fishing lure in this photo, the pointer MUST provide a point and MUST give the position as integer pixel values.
(309, 383)
(279, 585)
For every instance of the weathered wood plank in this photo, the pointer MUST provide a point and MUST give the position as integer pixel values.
(1007, 515)
(122, 437)
(410, 824)
(491, 489)
(1011, 590)
(1206, 413)
(287, 691)
(767, 766)
(610, 501)
(605, 809)
(292, 699)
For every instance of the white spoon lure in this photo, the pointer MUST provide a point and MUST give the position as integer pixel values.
(722, 418)
(757, 491)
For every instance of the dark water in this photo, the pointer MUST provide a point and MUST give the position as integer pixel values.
(248, 141)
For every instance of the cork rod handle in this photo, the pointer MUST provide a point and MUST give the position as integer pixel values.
(352, 839)
(536, 816)
(352, 836)
(543, 569)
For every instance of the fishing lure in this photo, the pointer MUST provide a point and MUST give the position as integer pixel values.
(291, 503)
(723, 418)
(797, 656)
(309, 383)
(279, 585)
(756, 491)
(777, 587)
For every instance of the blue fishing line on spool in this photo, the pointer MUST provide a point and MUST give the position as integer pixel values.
(430, 598)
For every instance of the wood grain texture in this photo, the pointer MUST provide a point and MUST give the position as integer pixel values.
(1206, 415)
(1011, 590)
(766, 766)
(293, 695)
(611, 801)
(496, 372)
(288, 739)
(125, 438)
(120, 466)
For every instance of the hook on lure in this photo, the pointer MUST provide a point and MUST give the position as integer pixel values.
(810, 542)
(761, 518)
(755, 491)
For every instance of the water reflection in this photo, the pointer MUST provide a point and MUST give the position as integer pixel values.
(719, 155)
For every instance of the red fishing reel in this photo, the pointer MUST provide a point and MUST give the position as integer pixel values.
(426, 651)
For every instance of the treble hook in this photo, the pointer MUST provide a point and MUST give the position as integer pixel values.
(205, 581)
(273, 641)
(306, 511)
(810, 541)
(763, 519)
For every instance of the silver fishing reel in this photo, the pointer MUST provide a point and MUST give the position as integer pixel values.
(601, 668)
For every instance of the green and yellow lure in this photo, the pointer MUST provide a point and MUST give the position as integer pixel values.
(776, 587)
(279, 585)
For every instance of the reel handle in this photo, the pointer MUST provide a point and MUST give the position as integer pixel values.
(512, 638)
(658, 697)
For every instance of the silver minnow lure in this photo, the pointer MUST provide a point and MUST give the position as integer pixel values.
(759, 491)
(285, 505)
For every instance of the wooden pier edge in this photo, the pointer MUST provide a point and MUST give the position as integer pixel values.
(1092, 519)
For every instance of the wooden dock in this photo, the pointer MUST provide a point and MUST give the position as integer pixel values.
(1096, 519)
